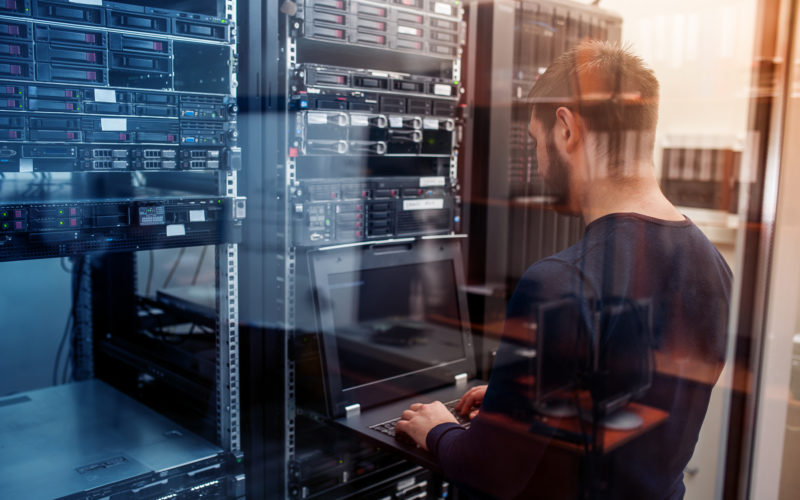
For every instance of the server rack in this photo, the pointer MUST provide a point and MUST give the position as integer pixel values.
(363, 98)
(114, 140)
(506, 210)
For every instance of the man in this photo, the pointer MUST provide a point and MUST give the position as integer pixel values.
(594, 114)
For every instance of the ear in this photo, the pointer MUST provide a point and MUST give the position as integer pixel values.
(567, 132)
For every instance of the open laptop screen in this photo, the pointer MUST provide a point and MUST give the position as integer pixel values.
(391, 321)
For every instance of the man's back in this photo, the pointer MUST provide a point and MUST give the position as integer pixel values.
(669, 265)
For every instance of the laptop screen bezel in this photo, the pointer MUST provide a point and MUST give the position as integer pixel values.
(330, 262)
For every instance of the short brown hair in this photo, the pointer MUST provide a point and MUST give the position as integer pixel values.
(609, 87)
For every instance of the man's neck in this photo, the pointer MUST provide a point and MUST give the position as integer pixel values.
(640, 195)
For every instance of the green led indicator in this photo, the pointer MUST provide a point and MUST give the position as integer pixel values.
(60, 212)
(223, 21)
(5, 214)
(61, 223)
(455, 82)
(238, 460)
(219, 201)
(5, 226)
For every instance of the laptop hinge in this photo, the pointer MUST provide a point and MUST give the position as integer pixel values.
(352, 410)
(461, 380)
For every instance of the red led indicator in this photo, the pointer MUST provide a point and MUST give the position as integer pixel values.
(91, 75)
(123, 137)
(90, 38)
(333, 196)
(16, 70)
(17, 214)
(12, 134)
(11, 103)
(358, 225)
(339, 5)
(158, 46)
(170, 138)
(13, 30)
(15, 50)
(73, 222)
(408, 2)
(358, 207)
(73, 211)
(68, 93)
(18, 225)
(293, 152)
(358, 234)
(70, 135)
(68, 106)
(10, 90)
(91, 56)
(340, 19)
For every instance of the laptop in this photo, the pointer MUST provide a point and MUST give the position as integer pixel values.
(394, 330)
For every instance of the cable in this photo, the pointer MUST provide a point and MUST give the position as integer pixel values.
(76, 285)
(174, 267)
(149, 274)
(63, 261)
(61, 348)
(199, 265)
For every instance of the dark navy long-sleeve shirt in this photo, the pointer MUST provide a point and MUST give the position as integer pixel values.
(670, 265)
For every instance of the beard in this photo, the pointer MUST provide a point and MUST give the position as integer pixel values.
(556, 181)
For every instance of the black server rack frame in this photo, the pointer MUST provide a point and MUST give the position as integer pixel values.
(386, 131)
(103, 108)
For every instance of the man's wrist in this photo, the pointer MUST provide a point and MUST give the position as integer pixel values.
(435, 435)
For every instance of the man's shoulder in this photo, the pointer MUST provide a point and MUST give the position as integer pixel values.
(549, 268)
(552, 278)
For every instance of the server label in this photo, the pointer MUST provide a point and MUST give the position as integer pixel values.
(431, 204)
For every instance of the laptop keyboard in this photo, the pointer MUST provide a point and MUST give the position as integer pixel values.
(388, 426)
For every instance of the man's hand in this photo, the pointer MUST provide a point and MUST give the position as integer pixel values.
(420, 418)
(471, 401)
